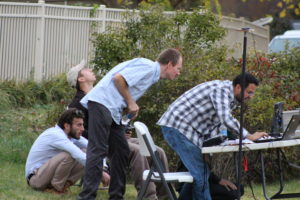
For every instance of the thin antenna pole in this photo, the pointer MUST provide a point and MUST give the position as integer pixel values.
(245, 30)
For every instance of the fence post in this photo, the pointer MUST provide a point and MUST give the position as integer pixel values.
(40, 32)
(103, 8)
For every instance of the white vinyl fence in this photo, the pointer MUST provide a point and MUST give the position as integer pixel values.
(39, 41)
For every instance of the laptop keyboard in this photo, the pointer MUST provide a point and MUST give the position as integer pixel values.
(268, 139)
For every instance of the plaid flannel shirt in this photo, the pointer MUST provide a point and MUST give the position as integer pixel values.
(200, 111)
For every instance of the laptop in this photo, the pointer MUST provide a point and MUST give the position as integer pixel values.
(287, 115)
(289, 133)
(277, 126)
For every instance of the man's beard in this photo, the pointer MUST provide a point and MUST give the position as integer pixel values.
(238, 98)
(72, 134)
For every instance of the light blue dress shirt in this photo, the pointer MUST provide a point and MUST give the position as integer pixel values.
(139, 73)
(50, 143)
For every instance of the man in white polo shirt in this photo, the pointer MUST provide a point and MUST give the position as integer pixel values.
(56, 159)
(116, 95)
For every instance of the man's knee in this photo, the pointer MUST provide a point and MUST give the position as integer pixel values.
(133, 148)
(161, 153)
(160, 150)
(43, 176)
(37, 185)
(65, 156)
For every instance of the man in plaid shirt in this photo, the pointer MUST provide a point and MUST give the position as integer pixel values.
(197, 116)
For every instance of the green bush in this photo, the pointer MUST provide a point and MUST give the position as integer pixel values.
(4, 100)
(28, 93)
(151, 32)
(281, 72)
(110, 49)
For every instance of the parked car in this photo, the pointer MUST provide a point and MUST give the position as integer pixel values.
(290, 39)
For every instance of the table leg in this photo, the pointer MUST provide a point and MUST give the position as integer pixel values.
(263, 175)
(235, 158)
(278, 195)
(280, 172)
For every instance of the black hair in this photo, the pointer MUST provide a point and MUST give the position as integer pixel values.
(249, 79)
(68, 116)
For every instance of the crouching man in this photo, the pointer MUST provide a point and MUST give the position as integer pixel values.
(56, 159)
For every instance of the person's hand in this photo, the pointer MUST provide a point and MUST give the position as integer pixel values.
(257, 135)
(128, 134)
(133, 109)
(105, 179)
(229, 185)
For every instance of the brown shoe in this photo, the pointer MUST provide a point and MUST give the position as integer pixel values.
(54, 191)
(65, 189)
(67, 186)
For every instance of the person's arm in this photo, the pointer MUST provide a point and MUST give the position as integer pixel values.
(64, 144)
(105, 179)
(221, 102)
(122, 87)
(128, 134)
(81, 142)
(105, 173)
(214, 178)
(227, 184)
(256, 135)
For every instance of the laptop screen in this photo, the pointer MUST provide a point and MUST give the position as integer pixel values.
(290, 132)
(287, 116)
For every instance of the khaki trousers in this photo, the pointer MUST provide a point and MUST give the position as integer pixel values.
(56, 172)
(138, 164)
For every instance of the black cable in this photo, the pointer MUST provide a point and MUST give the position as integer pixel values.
(287, 162)
(249, 178)
(245, 30)
(250, 185)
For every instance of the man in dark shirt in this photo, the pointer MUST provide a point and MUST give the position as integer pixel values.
(82, 79)
(220, 189)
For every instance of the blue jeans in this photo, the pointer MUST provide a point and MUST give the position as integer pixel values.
(192, 158)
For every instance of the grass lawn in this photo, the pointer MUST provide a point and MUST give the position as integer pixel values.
(14, 187)
(18, 129)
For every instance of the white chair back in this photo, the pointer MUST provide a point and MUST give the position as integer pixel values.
(156, 172)
(142, 131)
